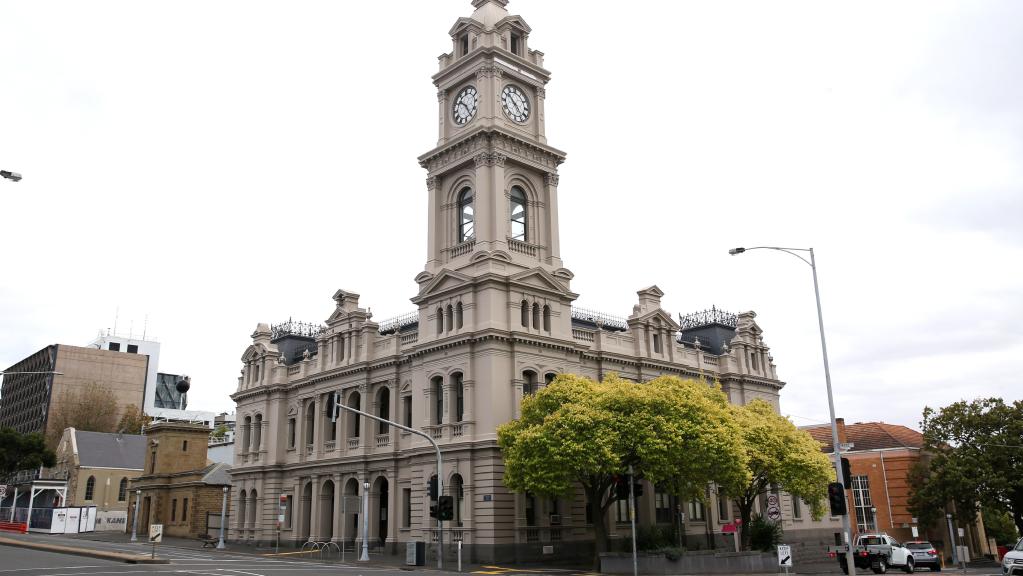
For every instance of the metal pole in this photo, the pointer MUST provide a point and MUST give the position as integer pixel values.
(440, 479)
(223, 520)
(365, 523)
(846, 524)
(952, 539)
(14, 503)
(135, 520)
(632, 518)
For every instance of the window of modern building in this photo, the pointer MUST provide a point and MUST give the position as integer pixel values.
(122, 490)
(90, 487)
(519, 224)
(114, 347)
(133, 349)
(865, 521)
(466, 222)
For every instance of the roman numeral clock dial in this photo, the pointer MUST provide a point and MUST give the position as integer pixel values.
(515, 104)
(464, 106)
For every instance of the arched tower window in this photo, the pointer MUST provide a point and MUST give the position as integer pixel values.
(546, 318)
(440, 320)
(90, 487)
(458, 316)
(536, 316)
(450, 317)
(525, 314)
(122, 490)
(457, 491)
(466, 222)
(354, 421)
(519, 223)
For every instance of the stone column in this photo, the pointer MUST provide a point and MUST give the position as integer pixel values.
(433, 213)
(314, 510)
(553, 248)
(541, 130)
(339, 495)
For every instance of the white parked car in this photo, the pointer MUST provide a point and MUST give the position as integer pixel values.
(1012, 563)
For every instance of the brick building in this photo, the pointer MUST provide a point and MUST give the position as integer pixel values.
(179, 487)
(881, 457)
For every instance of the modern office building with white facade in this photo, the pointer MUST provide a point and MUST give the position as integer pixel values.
(493, 321)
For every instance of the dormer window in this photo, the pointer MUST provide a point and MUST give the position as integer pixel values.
(516, 44)
(463, 43)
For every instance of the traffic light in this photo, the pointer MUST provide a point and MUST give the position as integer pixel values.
(836, 498)
(446, 508)
(433, 510)
(431, 488)
(637, 489)
(846, 473)
(621, 488)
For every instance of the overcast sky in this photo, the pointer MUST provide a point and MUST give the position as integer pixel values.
(198, 167)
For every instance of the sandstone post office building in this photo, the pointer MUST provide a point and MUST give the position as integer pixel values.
(493, 321)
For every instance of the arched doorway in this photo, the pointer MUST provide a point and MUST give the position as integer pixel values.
(307, 516)
(381, 492)
(326, 528)
(352, 508)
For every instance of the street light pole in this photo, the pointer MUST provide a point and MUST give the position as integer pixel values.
(135, 520)
(365, 523)
(223, 520)
(846, 525)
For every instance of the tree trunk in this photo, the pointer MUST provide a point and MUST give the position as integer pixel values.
(595, 498)
(1016, 502)
(746, 514)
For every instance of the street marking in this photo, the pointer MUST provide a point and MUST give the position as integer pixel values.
(239, 571)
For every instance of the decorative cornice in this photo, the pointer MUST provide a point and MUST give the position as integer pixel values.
(432, 182)
(551, 179)
(489, 159)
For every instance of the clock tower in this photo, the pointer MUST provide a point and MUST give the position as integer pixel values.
(493, 232)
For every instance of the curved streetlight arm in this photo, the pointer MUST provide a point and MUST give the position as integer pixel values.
(846, 525)
(440, 479)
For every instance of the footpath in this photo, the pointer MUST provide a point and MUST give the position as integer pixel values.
(26, 541)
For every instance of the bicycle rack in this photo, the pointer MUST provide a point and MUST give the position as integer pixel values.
(313, 546)
(326, 546)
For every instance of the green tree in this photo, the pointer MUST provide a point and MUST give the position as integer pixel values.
(23, 452)
(219, 432)
(974, 459)
(133, 421)
(998, 525)
(777, 453)
(580, 432)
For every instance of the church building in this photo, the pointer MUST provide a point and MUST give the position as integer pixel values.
(494, 320)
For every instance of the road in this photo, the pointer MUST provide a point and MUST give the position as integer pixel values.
(16, 561)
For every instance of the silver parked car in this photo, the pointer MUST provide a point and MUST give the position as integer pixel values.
(925, 554)
(1012, 563)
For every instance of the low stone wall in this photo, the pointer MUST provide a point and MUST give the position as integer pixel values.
(707, 562)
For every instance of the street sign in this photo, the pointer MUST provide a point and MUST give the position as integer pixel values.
(774, 513)
(155, 533)
(3, 491)
(772, 500)
(784, 555)
(916, 533)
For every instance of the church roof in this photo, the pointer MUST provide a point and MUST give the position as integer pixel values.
(103, 450)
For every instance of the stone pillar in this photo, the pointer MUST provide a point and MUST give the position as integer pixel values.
(553, 248)
(314, 510)
(339, 495)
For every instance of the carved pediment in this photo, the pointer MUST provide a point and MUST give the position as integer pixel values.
(463, 24)
(540, 279)
(657, 317)
(444, 281)
(253, 352)
(513, 22)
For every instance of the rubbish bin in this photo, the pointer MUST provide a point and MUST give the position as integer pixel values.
(415, 553)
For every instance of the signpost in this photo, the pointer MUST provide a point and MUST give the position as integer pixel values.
(3, 491)
(155, 536)
(785, 556)
(773, 507)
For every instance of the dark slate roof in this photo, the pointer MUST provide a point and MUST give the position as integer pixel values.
(103, 450)
(218, 474)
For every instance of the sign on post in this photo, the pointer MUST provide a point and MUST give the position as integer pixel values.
(3, 491)
(785, 556)
(773, 507)
(155, 533)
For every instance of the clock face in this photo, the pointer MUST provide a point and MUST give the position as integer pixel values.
(464, 106)
(515, 104)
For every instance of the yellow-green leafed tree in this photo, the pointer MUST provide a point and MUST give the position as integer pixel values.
(778, 453)
(679, 432)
